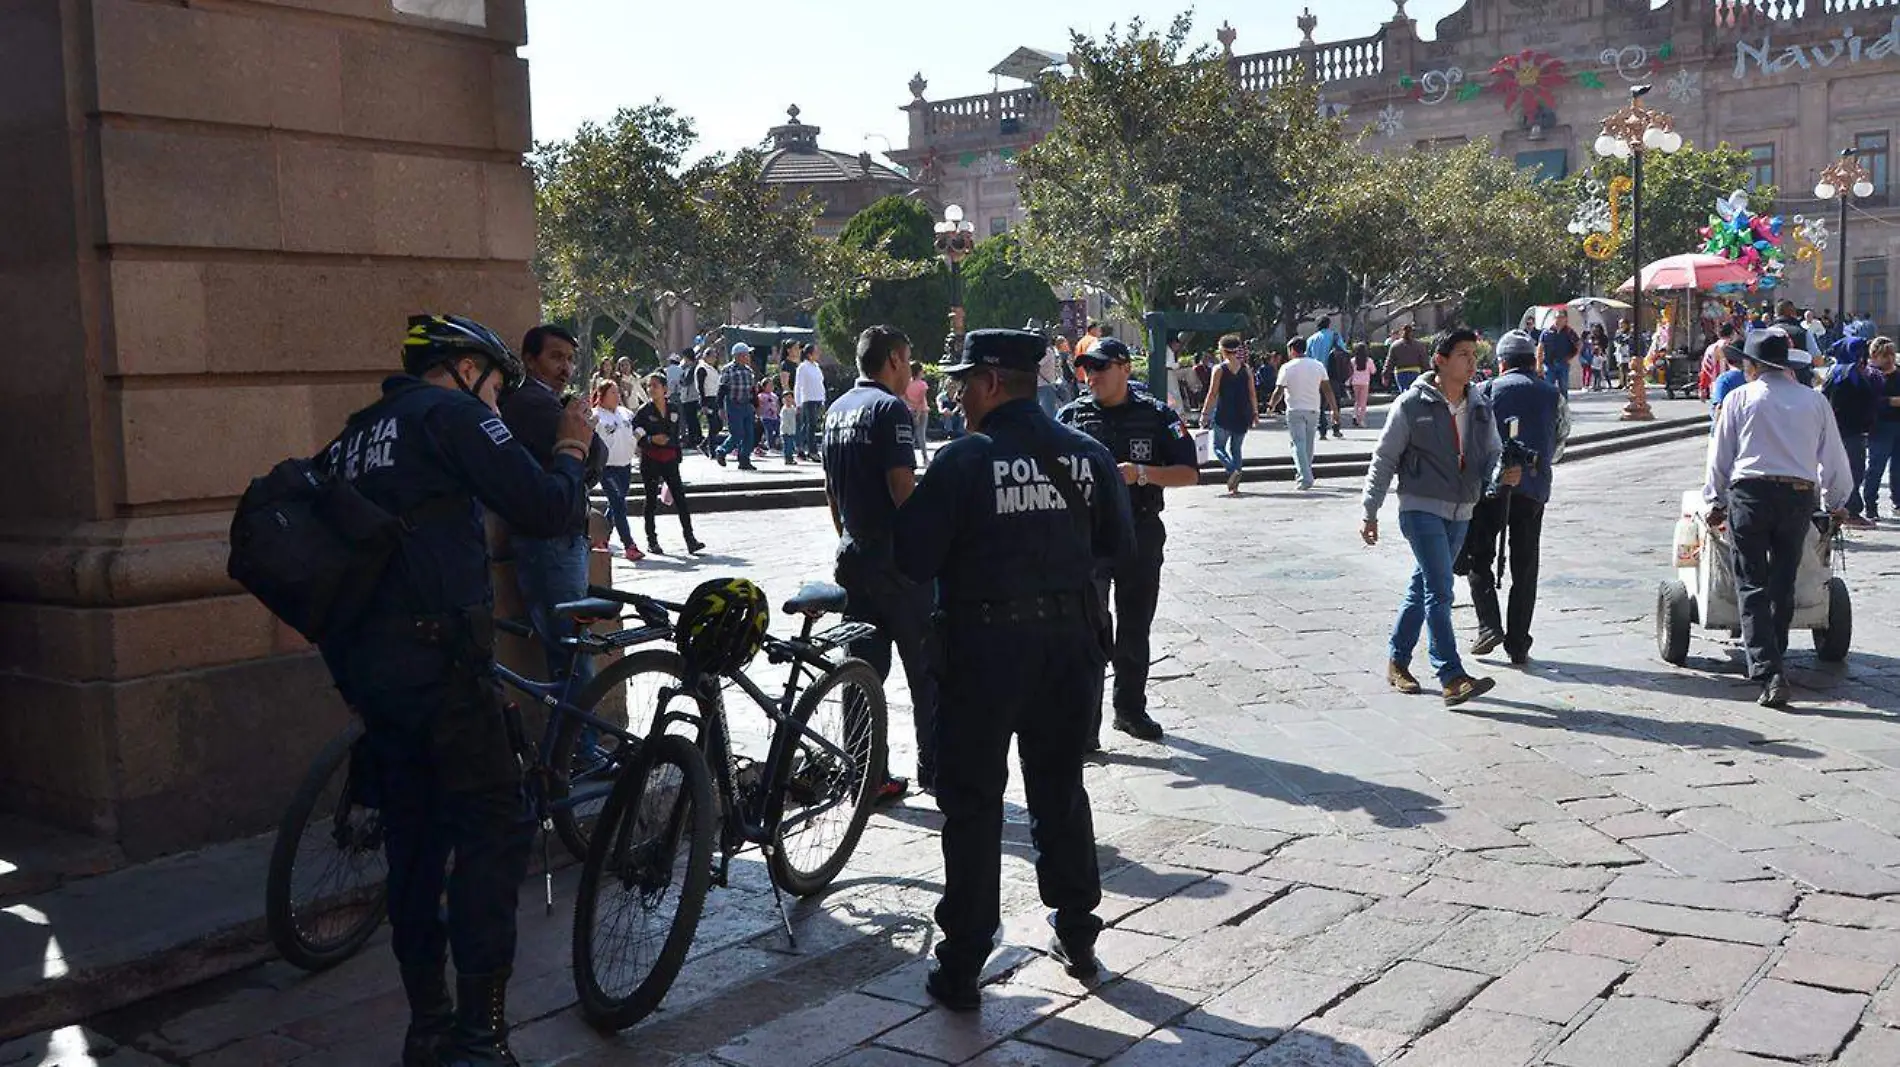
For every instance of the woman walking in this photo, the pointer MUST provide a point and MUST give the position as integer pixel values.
(614, 423)
(1231, 407)
(1360, 378)
(657, 426)
(917, 398)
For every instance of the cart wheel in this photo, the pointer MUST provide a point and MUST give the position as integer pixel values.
(1672, 622)
(1830, 644)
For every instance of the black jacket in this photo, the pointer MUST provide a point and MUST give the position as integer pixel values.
(533, 415)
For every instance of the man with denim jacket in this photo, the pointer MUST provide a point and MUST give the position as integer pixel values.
(1442, 442)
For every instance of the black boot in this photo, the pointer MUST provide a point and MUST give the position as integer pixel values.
(480, 1037)
(431, 1015)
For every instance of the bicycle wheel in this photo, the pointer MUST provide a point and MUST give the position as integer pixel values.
(586, 772)
(643, 884)
(325, 892)
(824, 798)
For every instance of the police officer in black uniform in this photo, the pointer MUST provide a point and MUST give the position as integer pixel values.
(1154, 452)
(1012, 522)
(420, 670)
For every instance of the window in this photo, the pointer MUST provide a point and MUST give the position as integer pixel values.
(1545, 165)
(1873, 155)
(1761, 164)
(1870, 288)
(998, 226)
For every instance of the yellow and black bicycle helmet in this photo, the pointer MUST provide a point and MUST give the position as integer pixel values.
(437, 339)
(722, 625)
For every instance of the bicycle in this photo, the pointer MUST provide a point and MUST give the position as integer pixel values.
(807, 808)
(325, 896)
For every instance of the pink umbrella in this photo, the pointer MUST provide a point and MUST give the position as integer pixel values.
(1692, 271)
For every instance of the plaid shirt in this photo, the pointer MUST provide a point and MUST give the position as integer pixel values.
(737, 384)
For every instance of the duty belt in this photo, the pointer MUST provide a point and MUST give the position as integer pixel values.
(1044, 607)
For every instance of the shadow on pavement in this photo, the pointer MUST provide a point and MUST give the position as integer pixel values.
(1390, 806)
(1704, 735)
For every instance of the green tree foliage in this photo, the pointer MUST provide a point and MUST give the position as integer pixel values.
(1001, 291)
(900, 229)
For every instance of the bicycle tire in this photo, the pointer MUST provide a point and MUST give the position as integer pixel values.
(360, 906)
(573, 824)
(605, 1005)
(805, 876)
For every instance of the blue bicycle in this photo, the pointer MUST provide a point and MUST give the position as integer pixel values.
(324, 896)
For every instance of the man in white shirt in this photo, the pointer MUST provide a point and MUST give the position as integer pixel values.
(1306, 388)
(808, 392)
(1774, 443)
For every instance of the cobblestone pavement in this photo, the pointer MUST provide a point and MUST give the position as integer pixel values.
(1607, 863)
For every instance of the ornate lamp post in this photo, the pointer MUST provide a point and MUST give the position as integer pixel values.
(1628, 134)
(1842, 177)
(956, 238)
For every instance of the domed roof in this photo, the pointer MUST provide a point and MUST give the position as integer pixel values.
(796, 159)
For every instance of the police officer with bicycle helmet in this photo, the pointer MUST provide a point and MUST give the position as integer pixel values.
(419, 668)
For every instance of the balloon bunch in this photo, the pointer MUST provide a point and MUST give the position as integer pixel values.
(1734, 233)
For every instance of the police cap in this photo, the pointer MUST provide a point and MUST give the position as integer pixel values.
(1106, 351)
(1002, 349)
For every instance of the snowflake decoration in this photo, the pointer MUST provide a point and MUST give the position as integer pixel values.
(1815, 231)
(1592, 214)
(1685, 86)
(1391, 121)
(1529, 81)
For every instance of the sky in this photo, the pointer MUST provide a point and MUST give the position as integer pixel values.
(735, 65)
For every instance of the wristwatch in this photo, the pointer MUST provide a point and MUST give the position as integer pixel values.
(1141, 474)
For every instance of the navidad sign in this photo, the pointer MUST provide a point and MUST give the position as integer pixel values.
(1847, 49)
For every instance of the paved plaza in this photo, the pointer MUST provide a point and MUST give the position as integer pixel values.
(1605, 863)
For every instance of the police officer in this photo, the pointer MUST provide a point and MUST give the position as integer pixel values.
(1152, 447)
(869, 451)
(420, 671)
(1012, 523)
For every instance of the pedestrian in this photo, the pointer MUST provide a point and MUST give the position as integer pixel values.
(768, 417)
(1858, 395)
(1775, 442)
(707, 375)
(551, 570)
(738, 396)
(1605, 358)
(614, 423)
(1510, 520)
(1266, 375)
(1232, 408)
(1731, 378)
(1049, 377)
(1154, 451)
(689, 399)
(1321, 347)
(809, 391)
(1803, 347)
(1623, 352)
(419, 668)
(1442, 443)
(1302, 387)
(1360, 378)
(1405, 358)
(870, 471)
(1714, 359)
(1556, 347)
(1091, 336)
(657, 427)
(1339, 379)
(1864, 325)
(1884, 442)
(1012, 525)
(788, 428)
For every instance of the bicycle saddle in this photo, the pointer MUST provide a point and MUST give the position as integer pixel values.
(587, 610)
(815, 599)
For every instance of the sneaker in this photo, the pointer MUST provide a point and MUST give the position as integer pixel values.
(1464, 687)
(719, 458)
(744, 466)
(790, 462)
(1774, 692)
(1518, 656)
(1487, 641)
(956, 992)
(892, 790)
(1401, 679)
(1233, 484)
(695, 547)
(653, 547)
(1138, 725)
(634, 555)
(1078, 961)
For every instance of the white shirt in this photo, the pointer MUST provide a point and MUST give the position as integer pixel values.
(809, 386)
(1774, 427)
(1302, 379)
(615, 427)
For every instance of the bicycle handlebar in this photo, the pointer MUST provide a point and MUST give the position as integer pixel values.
(649, 609)
(511, 626)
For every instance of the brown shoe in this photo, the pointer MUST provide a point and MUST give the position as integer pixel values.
(1464, 687)
(1401, 679)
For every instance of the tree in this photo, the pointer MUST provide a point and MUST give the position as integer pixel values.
(1679, 194)
(900, 229)
(1000, 291)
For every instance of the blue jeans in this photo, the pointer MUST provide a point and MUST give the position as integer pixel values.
(1406, 378)
(1557, 373)
(616, 483)
(1227, 448)
(811, 425)
(738, 433)
(553, 571)
(1882, 446)
(1303, 427)
(1435, 543)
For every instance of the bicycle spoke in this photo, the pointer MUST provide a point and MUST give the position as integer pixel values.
(638, 889)
(829, 779)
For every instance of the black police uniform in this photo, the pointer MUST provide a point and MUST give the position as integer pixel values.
(420, 668)
(1140, 430)
(1015, 570)
(868, 433)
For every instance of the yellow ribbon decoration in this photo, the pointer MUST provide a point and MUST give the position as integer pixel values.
(1604, 245)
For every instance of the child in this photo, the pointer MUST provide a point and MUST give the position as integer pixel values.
(788, 428)
(768, 416)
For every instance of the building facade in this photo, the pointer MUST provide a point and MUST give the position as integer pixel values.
(1792, 82)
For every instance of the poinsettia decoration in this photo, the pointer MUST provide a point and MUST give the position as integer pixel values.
(1529, 81)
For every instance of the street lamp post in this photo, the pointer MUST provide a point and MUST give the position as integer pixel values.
(1628, 134)
(956, 238)
(1842, 177)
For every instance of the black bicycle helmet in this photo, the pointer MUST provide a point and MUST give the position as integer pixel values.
(436, 339)
(722, 625)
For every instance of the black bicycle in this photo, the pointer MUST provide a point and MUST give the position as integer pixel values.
(804, 805)
(325, 895)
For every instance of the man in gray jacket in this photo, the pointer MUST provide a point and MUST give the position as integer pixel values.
(1442, 442)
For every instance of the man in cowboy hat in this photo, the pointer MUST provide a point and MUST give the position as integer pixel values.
(1774, 443)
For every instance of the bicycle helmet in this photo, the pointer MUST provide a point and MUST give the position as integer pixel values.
(433, 340)
(722, 625)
